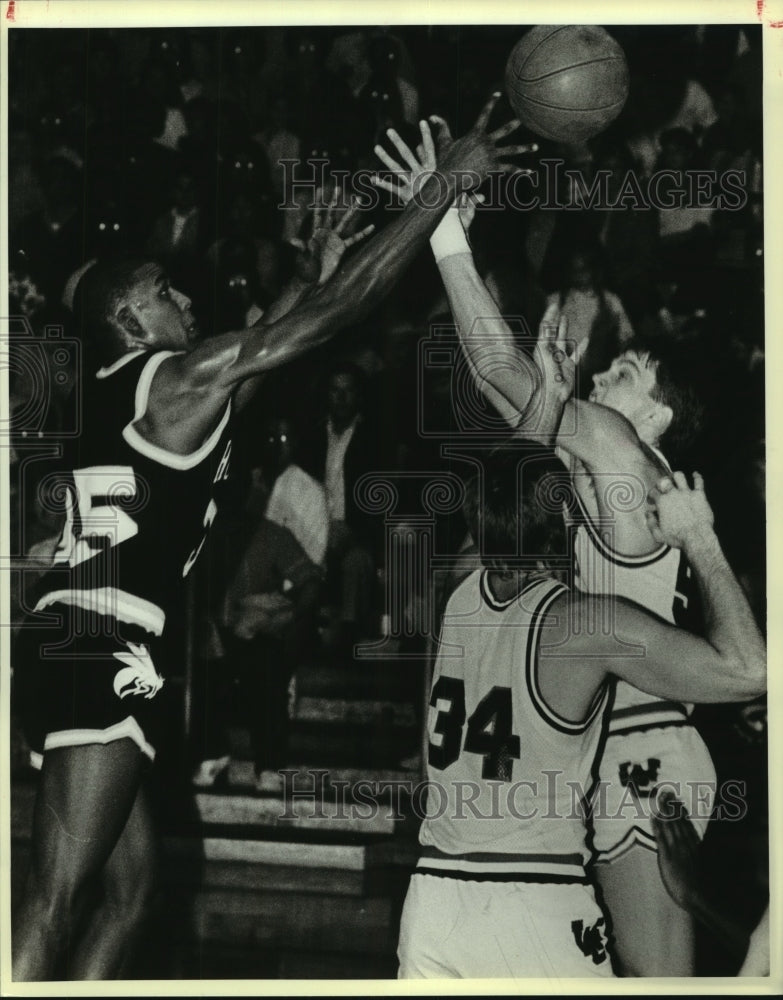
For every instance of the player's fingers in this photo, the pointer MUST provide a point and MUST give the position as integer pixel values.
(362, 234)
(444, 130)
(318, 209)
(507, 129)
(680, 481)
(387, 161)
(486, 112)
(698, 481)
(346, 219)
(386, 185)
(403, 149)
(512, 168)
(298, 244)
(689, 835)
(664, 485)
(562, 333)
(513, 150)
(430, 156)
(655, 529)
(331, 206)
(547, 330)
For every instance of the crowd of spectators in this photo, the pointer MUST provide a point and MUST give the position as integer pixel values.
(179, 144)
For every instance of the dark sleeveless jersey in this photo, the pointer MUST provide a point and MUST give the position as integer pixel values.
(136, 514)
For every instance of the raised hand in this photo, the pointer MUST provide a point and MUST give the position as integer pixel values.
(477, 152)
(418, 166)
(474, 155)
(333, 232)
(677, 514)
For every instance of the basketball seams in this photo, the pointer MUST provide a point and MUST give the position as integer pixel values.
(543, 86)
(567, 69)
(577, 111)
(540, 42)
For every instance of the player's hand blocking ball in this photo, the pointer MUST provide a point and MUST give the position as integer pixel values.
(567, 82)
(475, 154)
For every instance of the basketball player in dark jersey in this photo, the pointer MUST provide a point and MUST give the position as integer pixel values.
(139, 499)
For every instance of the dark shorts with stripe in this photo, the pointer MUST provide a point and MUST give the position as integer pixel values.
(81, 678)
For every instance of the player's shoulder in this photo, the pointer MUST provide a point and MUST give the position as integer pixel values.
(466, 594)
(120, 369)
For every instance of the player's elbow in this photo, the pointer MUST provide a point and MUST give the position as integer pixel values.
(745, 677)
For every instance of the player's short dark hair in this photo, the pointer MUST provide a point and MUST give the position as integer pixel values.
(678, 371)
(515, 509)
(98, 293)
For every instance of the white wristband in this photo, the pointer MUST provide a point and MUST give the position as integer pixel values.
(449, 238)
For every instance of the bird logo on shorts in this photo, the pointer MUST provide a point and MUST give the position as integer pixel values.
(139, 676)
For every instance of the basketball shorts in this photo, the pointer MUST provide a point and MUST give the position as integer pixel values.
(636, 767)
(81, 677)
(455, 929)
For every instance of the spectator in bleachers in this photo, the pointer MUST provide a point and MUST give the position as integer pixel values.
(279, 140)
(267, 626)
(629, 237)
(597, 322)
(51, 237)
(337, 453)
(297, 501)
(177, 236)
(388, 98)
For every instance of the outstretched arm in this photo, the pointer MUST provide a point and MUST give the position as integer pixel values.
(190, 391)
(503, 373)
(531, 393)
(318, 259)
(729, 665)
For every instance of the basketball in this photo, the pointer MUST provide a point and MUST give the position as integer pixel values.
(567, 82)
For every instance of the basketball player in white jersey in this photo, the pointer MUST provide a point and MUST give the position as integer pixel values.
(610, 445)
(517, 718)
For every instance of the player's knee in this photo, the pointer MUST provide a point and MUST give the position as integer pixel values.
(51, 895)
(129, 899)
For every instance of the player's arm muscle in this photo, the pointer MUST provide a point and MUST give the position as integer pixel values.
(728, 665)
(294, 292)
(190, 391)
(504, 374)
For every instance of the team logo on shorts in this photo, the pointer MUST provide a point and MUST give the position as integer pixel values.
(641, 779)
(590, 940)
(139, 676)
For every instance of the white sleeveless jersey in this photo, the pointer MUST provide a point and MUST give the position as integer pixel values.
(661, 582)
(507, 775)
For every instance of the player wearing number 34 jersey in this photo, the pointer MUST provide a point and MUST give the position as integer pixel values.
(518, 714)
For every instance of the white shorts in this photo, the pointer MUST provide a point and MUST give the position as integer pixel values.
(634, 768)
(455, 929)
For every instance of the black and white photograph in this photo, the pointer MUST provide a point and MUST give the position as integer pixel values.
(386, 576)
